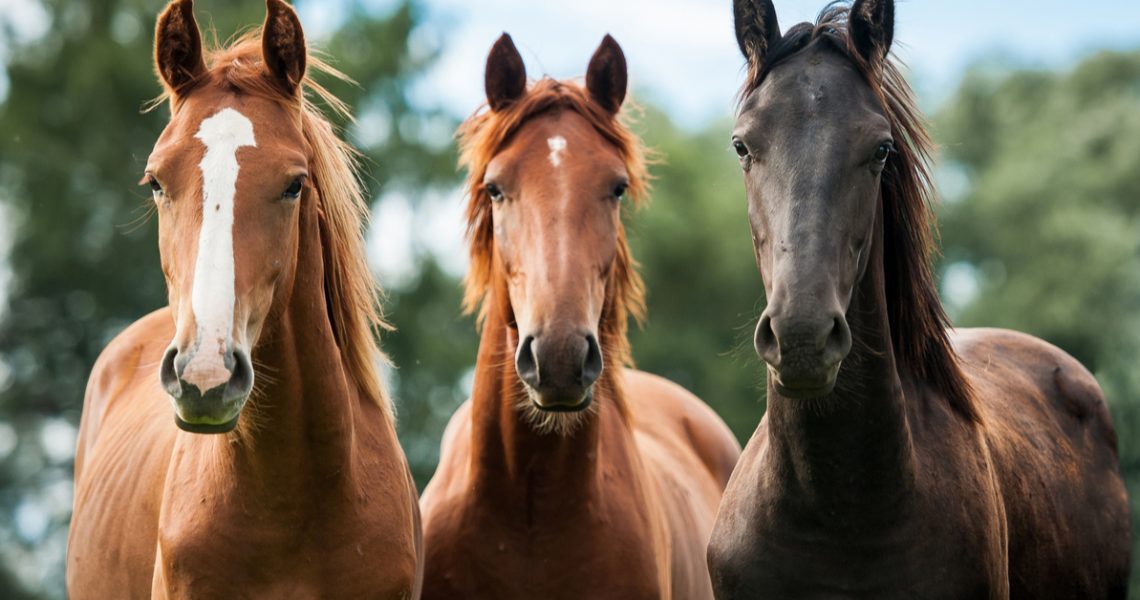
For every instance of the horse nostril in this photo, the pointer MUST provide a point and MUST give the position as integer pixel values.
(241, 378)
(525, 362)
(592, 364)
(168, 373)
(838, 342)
(766, 345)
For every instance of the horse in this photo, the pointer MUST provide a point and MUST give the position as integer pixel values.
(567, 474)
(898, 458)
(280, 474)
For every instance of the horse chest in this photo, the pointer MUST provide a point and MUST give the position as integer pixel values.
(487, 552)
(225, 549)
(932, 545)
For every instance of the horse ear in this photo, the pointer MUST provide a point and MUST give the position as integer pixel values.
(505, 78)
(757, 29)
(178, 46)
(606, 77)
(872, 26)
(283, 45)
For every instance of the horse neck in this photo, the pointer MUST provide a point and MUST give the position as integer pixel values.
(303, 418)
(509, 457)
(851, 450)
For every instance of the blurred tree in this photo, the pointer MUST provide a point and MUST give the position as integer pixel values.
(84, 258)
(704, 292)
(1046, 229)
(1046, 232)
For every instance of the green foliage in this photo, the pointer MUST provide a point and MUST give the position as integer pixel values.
(704, 292)
(1050, 222)
(1049, 225)
(84, 257)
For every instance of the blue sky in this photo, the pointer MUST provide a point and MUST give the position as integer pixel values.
(683, 54)
(683, 57)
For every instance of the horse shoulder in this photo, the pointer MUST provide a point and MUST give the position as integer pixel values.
(690, 453)
(450, 473)
(122, 363)
(667, 411)
(121, 457)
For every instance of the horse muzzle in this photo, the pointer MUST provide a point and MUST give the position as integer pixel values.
(208, 398)
(803, 354)
(559, 372)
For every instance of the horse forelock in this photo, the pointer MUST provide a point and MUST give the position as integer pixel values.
(919, 324)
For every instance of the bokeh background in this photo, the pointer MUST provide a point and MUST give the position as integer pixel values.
(1036, 107)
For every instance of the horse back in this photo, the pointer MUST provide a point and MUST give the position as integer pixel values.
(126, 435)
(1054, 451)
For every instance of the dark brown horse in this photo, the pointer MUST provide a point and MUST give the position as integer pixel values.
(566, 475)
(302, 491)
(898, 459)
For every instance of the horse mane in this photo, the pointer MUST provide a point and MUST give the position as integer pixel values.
(483, 135)
(918, 323)
(351, 292)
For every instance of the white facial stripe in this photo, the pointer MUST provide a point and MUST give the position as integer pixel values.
(557, 147)
(212, 298)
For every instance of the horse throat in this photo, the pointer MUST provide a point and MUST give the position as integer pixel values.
(849, 455)
(509, 455)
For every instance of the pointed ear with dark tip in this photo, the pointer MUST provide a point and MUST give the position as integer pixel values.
(606, 77)
(283, 45)
(872, 26)
(178, 46)
(757, 30)
(505, 79)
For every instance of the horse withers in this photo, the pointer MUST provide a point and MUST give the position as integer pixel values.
(566, 475)
(239, 443)
(898, 458)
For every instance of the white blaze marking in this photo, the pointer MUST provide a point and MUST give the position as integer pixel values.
(212, 298)
(557, 147)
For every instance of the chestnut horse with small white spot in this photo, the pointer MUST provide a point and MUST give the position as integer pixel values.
(898, 458)
(566, 475)
(279, 475)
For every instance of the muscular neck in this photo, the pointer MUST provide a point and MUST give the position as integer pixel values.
(301, 424)
(846, 461)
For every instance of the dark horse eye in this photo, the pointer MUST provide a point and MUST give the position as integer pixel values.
(883, 151)
(619, 189)
(494, 192)
(741, 149)
(294, 190)
(155, 186)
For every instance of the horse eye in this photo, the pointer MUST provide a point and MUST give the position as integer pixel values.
(494, 192)
(883, 151)
(619, 189)
(155, 186)
(741, 149)
(294, 190)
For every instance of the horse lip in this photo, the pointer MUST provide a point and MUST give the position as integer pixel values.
(207, 428)
(802, 390)
(582, 404)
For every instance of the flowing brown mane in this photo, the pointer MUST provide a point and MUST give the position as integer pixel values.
(484, 134)
(919, 325)
(351, 292)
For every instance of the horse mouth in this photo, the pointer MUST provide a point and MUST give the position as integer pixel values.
(205, 427)
(801, 389)
(560, 405)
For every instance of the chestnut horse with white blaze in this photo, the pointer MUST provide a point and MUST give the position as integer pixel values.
(898, 458)
(279, 474)
(566, 475)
